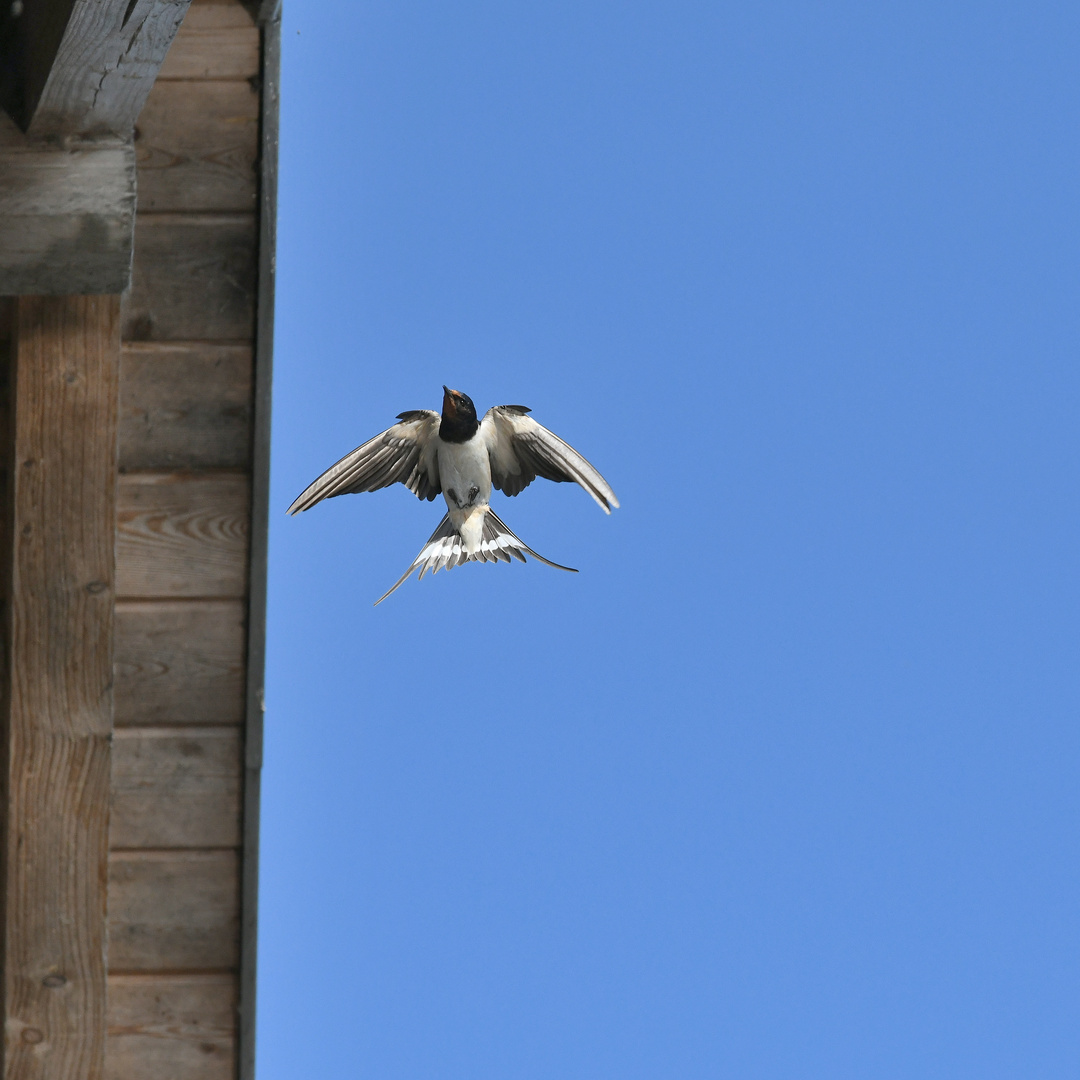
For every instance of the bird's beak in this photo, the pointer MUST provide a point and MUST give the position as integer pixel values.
(449, 405)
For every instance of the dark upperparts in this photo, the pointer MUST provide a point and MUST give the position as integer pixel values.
(459, 423)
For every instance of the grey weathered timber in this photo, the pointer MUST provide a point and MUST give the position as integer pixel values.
(196, 145)
(193, 278)
(185, 405)
(67, 216)
(270, 16)
(173, 910)
(175, 787)
(171, 1027)
(59, 571)
(180, 662)
(75, 75)
(85, 66)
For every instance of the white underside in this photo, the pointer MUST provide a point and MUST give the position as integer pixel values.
(463, 467)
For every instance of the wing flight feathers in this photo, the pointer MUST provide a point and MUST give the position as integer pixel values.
(404, 453)
(520, 450)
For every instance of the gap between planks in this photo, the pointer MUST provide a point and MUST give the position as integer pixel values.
(165, 344)
(246, 80)
(179, 731)
(151, 599)
(231, 849)
(209, 473)
(209, 218)
(172, 973)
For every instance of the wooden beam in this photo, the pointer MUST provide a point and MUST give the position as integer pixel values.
(67, 216)
(264, 12)
(270, 17)
(58, 653)
(84, 67)
(73, 71)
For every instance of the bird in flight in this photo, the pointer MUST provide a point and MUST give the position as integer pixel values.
(461, 458)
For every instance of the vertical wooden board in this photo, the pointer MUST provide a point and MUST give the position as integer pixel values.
(185, 406)
(59, 663)
(193, 278)
(171, 1027)
(173, 911)
(180, 662)
(175, 788)
(182, 534)
(195, 146)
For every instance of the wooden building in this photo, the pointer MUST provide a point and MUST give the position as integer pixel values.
(137, 202)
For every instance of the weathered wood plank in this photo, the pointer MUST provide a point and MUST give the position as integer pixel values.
(173, 910)
(196, 144)
(185, 406)
(67, 217)
(193, 278)
(182, 534)
(180, 662)
(86, 66)
(215, 41)
(204, 14)
(59, 664)
(171, 1027)
(175, 788)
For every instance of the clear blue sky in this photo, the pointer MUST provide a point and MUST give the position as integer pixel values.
(784, 784)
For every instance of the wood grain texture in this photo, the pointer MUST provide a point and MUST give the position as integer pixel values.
(171, 1027)
(67, 217)
(175, 788)
(193, 278)
(173, 910)
(180, 663)
(185, 406)
(215, 41)
(196, 144)
(99, 73)
(59, 662)
(182, 534)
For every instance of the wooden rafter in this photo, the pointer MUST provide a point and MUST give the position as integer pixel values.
(85, 67)
(75, 74)
(67, 216)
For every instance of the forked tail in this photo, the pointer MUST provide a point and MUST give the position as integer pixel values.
(446, 549)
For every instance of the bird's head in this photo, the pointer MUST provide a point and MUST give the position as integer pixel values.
(457, 407)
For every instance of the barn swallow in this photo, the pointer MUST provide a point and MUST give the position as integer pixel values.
(461, 458)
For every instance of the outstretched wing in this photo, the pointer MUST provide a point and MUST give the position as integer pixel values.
(520, 450)
(406, 453)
